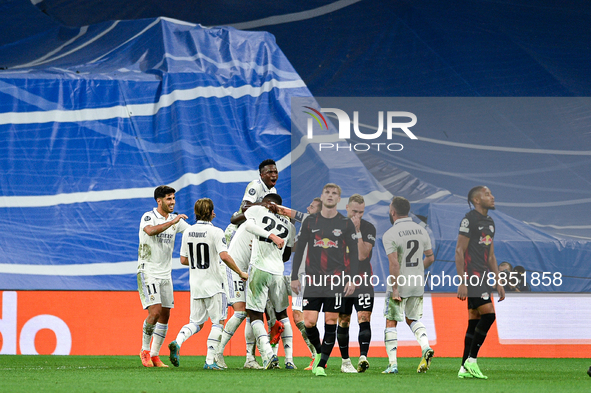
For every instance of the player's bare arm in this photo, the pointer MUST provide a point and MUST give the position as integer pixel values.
(492, 260)
(394, 266)
(232, 265)
(184, 261)
(238, 219)
(461, 248)
(429, 259)
(152, 230)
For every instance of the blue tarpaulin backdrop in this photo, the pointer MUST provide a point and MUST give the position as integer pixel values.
(100, 104)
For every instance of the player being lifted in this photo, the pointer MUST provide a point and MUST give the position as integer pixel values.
(271, 232)
(475, 257)
(158, 229)
(405, 243)
(328, 235)
(202, 245)
(363, 297)
(240, 249)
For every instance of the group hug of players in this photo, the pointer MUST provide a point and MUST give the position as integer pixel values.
(256, 245)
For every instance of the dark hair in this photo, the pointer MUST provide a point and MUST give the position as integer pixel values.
(273, 198)
(163, 191)
(471, 194)
(203, 209)
(263, 164)
(401, 205)
(519, 269)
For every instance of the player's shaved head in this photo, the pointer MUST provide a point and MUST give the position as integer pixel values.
(275, 198)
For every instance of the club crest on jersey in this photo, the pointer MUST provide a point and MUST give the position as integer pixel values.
(252, 191)
(337, 232)
(486, 240)
(485, 296)
(326, 243)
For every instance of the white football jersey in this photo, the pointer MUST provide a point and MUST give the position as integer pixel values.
(202, 245)
(256, 191)
(410, 241)
(241, 247)
(155, 252)
(265, 254)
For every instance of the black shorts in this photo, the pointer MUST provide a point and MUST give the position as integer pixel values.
(475, 302)
(363, 299)
(337, 303)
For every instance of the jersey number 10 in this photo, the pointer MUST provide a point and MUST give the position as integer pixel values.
(199, 256)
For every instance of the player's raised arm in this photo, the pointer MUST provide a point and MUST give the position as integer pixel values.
(256, 230)
(153, 230)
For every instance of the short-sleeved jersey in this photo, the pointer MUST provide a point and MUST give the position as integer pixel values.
(265, 254)
(329, 240)
(368, 234)
(481, 231)
(410, 241)
(202, 245)
(155, 252)
(240, 247)
(256, 191)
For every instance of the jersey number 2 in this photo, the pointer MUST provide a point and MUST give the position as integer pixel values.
(414, 246)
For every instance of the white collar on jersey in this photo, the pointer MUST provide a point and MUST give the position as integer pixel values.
(265, 188)
(401, 220)
(157, 213)
(204, 222)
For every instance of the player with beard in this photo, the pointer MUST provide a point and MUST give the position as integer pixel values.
(475, 257)
(329, 236)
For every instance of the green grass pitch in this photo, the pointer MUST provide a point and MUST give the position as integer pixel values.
(126, 374)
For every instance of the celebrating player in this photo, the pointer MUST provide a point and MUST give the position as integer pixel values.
(475, 257)
(158, 229)
(201, 246)
(328, 235)
(272, 232)
(405, 243)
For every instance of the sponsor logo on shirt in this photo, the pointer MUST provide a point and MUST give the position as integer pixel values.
(326, 243)
(486, 240)
(371, 237)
